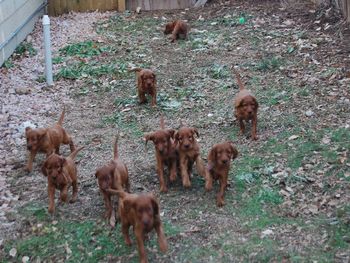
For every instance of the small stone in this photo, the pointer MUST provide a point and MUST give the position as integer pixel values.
(309, 113)
(13, 252)
(23, 91)
(25, 259)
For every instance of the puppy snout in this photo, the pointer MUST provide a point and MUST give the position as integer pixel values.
(29, 147)
(225, 161)
(187, 146)
(145, 222)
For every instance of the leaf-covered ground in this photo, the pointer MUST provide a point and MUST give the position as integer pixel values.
(288, 198)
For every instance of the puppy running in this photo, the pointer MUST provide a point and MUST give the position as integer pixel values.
(113, 175)
(141, 211)
(246, 108)
(146, 84)
(219, 159)
(165, 147)
(61, 173)
(46, 140)
(189, 152)
(178, 30)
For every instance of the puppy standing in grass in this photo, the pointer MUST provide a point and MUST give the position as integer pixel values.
(178, 30)
(61, 174)
(141, 211)
(146, 84)
(246, 108)
(219, 159)
(47, 140)
(165, 147)
(189, 152)
(113, 175)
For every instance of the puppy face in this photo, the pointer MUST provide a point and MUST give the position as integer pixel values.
(53, 166)
(104, 178)
(222, 154)
(146, 209)
(169, 28)
(34, 138)
(185, 138)
(161, 139)
(248, 107)
(148, 79)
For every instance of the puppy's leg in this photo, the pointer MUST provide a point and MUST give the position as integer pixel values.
(74, 191)
(220, 196)
(68, 140)
(64, 194)
(140, 244)
(51, 195)
(142, 97)
(160, 171)
(172, 170)
(209, 181)
(29, 166)
(125, 231)
(254, 125)
(241, 126)
(163, 245)
(184, 171)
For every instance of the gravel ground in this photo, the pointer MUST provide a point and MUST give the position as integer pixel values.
(24, 103)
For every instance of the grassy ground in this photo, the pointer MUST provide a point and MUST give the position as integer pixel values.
(288, 198)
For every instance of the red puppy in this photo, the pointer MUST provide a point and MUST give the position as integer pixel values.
(246, 108)
(146, 84)
(61, 174)
(142, 213)
(165, 147)
(219, 159)
(46, 140)
(113, 175)
(177, 29)
(189, 152)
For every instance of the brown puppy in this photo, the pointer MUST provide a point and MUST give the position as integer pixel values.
(113, 175)
(246, 107)
(141, 211)
(146, 84)
(189, 152)
(178, 29)
(46, 140)
(61, 174)
(165, 147)
(219, 159)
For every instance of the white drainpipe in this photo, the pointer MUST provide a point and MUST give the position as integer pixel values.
(47, 44)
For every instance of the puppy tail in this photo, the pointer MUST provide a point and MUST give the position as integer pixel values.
(118, 192)
(115, 150)
(135, 70)
(162, 126)
(239, 81)
(75, 152)
(60, 121)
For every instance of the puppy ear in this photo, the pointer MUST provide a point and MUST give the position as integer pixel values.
(154, 76)
(176, 136)
(28, 129)
(41, 133)
(212, 157)
(155, 205)
(63, 161)
(171, 132)
(234, 150)
(128, 204)
(195, 131)
(256, 103)
(149, 137)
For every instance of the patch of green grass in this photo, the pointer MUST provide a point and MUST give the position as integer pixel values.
(218, 71)
(124, 122)
(341, 135)
(87, 48)
(8, 64)
(269, 63)
(57, 60)
(26, 48)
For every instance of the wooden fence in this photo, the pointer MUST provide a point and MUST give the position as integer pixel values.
(343, 5)
(58, 7)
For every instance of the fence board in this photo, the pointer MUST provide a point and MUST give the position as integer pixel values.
(58, 7)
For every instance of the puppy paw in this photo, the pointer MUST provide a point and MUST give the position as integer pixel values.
(128, 241)
(186, 184)
(163, 189)
(163, 246)
(255, 138)
(220, 202)
(51, 210)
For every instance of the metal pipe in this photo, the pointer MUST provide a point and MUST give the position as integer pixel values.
(47, 45)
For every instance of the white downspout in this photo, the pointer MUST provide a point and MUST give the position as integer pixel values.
(47, 45)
